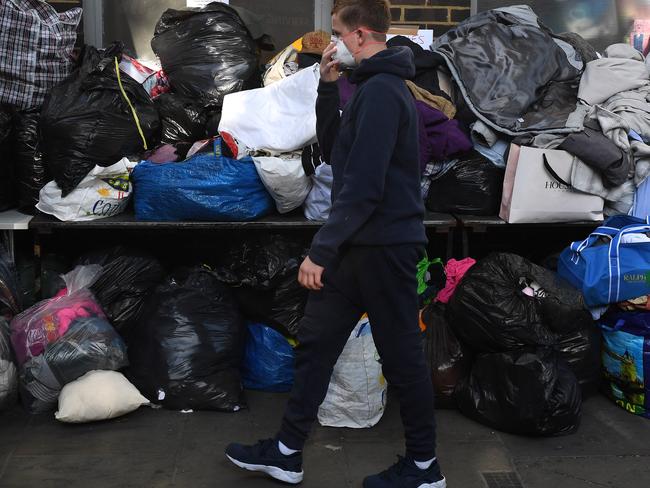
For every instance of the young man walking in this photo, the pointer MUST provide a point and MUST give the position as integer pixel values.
(364, 258)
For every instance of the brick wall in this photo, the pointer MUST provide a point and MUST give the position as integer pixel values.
(438, 15)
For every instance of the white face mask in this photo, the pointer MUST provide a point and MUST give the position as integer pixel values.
(343, 54)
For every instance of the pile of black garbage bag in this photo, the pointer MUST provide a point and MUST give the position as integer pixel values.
(519, 350)
(264, 277)
(206, 53)
(186, 351)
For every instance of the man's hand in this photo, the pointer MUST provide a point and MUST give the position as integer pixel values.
(328, 67)
(311, 275)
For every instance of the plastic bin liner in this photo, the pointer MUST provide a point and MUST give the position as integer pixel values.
(205, 187)
(265, 276)
(127, 278)
(7, 187)
(182, 118)
(448, 359)
(10, 289)
(472, 186)
(356, 396)
(8, 371)
(48, 320)
(89, 344)
(506, 302)
(94, 119)
(269, 360)
(626, 360)
(187, 348)
(206, 53)
(522, 392)
(31, 175)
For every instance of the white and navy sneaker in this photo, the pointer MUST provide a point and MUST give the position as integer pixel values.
(265, 457)
(405, 474)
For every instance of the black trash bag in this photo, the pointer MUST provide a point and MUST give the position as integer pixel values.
(126, 280)
(10, 287)
(491, 312)
(89, 344)
(206, 53)
(472, 186)
(265, 275)
(448, 359)
(31, 174)
(186, 351)
(526, 392)
(8, 370)
(7, 186)
(86, 120)
(582, 351)
(261, 264)
(182, 119)
(281, 308)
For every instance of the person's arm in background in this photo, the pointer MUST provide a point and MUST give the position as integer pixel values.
(328, 116)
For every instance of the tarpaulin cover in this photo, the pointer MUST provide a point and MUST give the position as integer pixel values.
(206, 186)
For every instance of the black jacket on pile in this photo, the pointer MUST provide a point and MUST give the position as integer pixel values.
(373, 150)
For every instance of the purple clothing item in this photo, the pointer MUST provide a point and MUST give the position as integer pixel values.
(346, 90)
(163, 154)
(440, 138)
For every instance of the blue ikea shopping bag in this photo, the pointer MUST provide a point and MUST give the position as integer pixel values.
(268, 361)
(207, 186)
(607, 268)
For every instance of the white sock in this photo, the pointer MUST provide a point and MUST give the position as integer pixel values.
(424, 464)
(285, 450)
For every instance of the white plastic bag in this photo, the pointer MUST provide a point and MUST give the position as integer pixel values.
(285, 180)
(98, 395)
(356, 397)
(103, 193)
(319, 201)
(279, 118)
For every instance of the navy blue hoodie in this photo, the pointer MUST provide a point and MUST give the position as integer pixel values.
(373, 150)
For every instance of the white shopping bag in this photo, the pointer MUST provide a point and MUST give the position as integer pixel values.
(356, 396)
(103, 193)
(537, 189)
(279, 118)
(285, 180)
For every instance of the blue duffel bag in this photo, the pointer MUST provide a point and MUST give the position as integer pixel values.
(606, 266)
(207, 187)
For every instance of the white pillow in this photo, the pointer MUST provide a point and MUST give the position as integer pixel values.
(98, 395)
